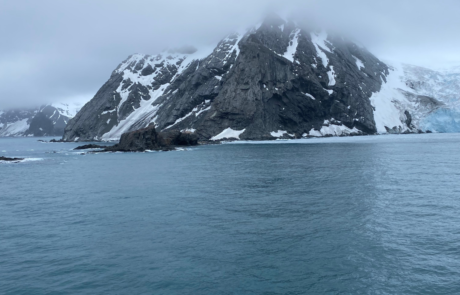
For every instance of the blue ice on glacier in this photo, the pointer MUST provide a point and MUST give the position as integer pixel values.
(442, 120)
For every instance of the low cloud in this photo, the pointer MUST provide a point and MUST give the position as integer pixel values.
(56, 50)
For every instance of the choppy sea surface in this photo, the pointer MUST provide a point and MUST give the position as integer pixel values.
(360, 215)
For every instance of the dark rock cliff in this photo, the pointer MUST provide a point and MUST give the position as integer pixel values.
(276, 80)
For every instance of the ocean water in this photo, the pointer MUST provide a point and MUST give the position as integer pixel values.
(360, 215)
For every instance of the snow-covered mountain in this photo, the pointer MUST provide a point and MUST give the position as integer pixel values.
(276, 80)
(48, 120)
(429, 99)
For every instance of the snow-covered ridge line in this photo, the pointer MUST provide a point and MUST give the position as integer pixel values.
(37, 121)
(146, 70)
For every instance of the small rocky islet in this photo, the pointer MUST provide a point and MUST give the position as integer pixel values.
(89, 146)
(13, 160)
(148, 139)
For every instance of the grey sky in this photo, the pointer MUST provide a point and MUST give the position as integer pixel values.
(60, 50)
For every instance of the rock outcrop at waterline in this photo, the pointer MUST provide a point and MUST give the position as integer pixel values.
(275, 80)
(89, 146)
(14, 160)
(148, 139)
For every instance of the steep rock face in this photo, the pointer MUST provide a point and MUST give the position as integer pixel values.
(275, 80)
(268, 94)
(131, 100)
(40, 125)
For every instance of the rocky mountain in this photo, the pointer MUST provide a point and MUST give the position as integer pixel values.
(276, 80)
(47, 120)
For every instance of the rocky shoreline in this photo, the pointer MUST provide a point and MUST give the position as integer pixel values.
(148, 139)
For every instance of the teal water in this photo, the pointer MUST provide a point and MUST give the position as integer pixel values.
(362, 215)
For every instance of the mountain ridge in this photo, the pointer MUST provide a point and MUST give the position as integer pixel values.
(274, 79)
(46, 120)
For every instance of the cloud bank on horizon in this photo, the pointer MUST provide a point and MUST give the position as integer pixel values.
(56, 50)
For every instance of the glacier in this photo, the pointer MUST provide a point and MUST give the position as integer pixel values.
(430, 97)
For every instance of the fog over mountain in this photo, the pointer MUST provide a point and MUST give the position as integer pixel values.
(63, 51)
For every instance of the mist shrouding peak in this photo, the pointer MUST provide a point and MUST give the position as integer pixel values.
(64, 56)
(186, 49)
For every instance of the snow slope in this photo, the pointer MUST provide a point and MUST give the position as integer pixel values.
(18, 122)
(432, 98)
(17, 128)
(175, 63)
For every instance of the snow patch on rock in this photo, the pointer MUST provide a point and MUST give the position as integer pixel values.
(228, 133)
(280, 133)
(292, 48)
(15, 129)
(319, 41)
(310, 96)
(332, 129)
(331, 76)
(359, 63)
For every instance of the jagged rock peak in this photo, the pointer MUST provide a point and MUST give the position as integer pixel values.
(274, 80)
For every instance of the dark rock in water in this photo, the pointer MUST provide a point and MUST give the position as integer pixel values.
(429, 131)
(148, 139)
(177, 138)
(137, 141)
(11, 159)
(89, 146)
